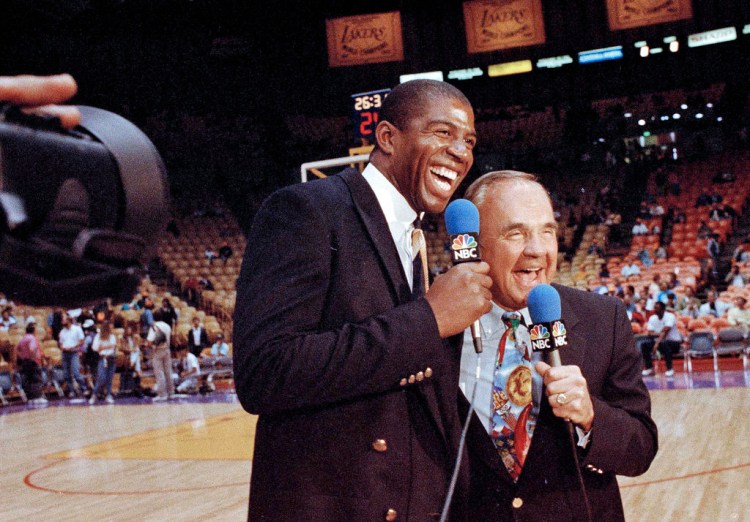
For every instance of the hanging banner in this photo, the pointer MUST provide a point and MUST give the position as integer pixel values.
(502, 24)
(626, 14)
(356, 40)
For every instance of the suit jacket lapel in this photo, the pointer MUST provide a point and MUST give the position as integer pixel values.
(573, 353)
(372, 216)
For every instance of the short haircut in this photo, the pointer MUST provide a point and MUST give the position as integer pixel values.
(407, 100)
(477, 191)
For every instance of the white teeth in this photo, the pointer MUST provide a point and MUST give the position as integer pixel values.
(442, 184)
(444, 172)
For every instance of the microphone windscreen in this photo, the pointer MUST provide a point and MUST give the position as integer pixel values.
(461, 216)
(544, 304)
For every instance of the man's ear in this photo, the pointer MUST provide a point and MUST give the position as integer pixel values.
(385, 133)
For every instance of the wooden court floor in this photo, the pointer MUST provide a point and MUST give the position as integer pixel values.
(193, 461)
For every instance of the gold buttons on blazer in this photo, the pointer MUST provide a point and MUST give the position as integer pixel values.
(380, 445)
(517, 502)
(428, 373)
(391, 515)
(420, 376)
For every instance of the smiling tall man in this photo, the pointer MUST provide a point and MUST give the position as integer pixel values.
(523, 465)
(353, 371)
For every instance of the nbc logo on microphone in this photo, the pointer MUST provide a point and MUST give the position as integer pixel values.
(559, 334)
(464, 247)
(540, 338)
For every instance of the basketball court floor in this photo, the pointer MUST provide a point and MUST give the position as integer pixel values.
(191, 459)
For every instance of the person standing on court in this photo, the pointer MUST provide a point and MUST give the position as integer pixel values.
(349, 360)
(523, 465)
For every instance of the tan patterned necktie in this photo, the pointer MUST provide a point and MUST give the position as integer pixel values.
(420, 273)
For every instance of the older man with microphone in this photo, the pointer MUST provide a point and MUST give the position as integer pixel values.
(550, 433)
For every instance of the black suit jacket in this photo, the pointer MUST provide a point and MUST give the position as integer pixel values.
(623, 438)
(356, 391)
(196, 349)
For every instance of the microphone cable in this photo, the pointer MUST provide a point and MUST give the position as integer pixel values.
(574, 449)
(461, 444)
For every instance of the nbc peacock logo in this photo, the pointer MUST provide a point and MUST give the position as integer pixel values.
(463, 241)
(559, 334)
(558, 329)
(539, 331)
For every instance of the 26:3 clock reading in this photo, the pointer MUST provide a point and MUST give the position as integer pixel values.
(365, 112)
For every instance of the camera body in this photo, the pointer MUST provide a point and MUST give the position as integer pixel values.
(80, 210)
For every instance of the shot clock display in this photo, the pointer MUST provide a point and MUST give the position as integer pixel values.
(365, 110)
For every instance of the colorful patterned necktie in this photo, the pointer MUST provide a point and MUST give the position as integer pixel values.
(513, 410)
(420, 274)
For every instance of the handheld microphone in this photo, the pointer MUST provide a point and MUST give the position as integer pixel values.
(547, 331)
(462, 224)
(548, 334)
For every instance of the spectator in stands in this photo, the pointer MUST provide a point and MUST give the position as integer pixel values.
(741, 254)
(630, 268)
(205, 283)
(712, 247)
(735, 278)
(639, 228)
(663, 325)
(191, 285)
(187, 379)
(660, 252)
(604, 271)
(595, 248)
(29, 360)
(686, 300)
(219, 348)
(738, 315)
(210, 254)
(105, 344)
(716, 213)
(7, 319)
(654, 287)
(197, 337)
(730, 213)
(147, 316)
(130, 378)
(141, 302)
(55, 322)
(709, 274)
(703, 200)
(672, 281)
(656, 210)
(663, 295)
(158, 339)
(90, 357)
(704, 231)
(168, 313)
(713, 306)
(225, 252)
(680, 217)
(645, 258)
(71, 343)
(639, 314)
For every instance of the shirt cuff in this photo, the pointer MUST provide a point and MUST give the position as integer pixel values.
(583, 437)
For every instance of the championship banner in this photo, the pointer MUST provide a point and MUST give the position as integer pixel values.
(626, 14)
(356, 40)
(502, 24)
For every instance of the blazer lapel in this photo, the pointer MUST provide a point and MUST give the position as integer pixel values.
(573, 353)
(369, 210)
(372, 216)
